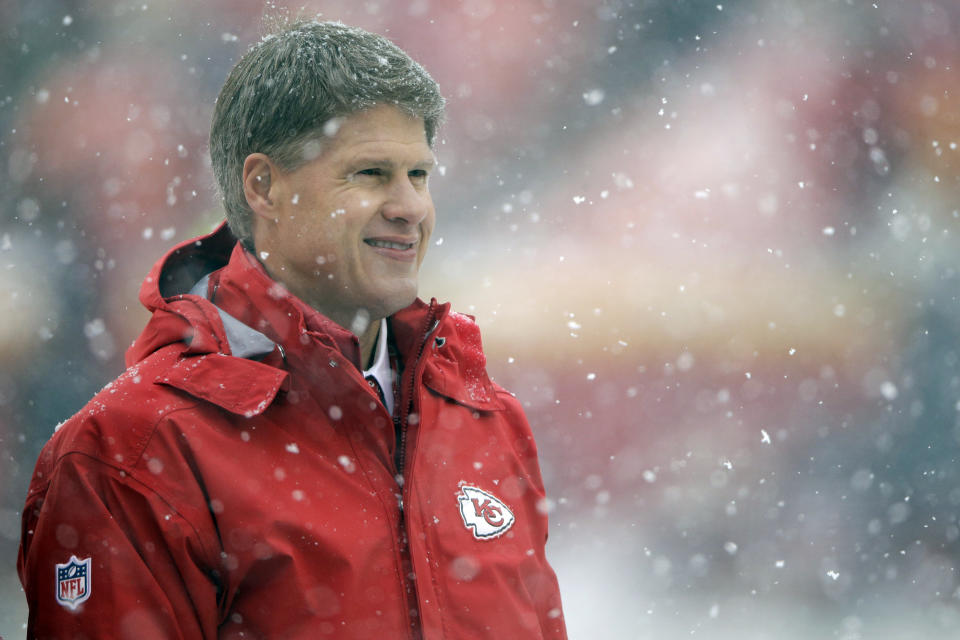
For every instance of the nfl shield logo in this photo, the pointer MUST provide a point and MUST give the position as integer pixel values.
(73, 582)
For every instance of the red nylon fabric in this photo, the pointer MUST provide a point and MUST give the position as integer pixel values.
(220, 497)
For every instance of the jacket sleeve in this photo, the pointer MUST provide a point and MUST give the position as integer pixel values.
(542, 581)
(145, 578)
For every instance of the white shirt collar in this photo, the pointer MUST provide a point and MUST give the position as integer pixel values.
(380, 369)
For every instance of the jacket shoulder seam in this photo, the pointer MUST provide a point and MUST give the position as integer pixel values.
(148, 436)
(139, 482)
(138, 448)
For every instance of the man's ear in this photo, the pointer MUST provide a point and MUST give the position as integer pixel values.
(258, 181)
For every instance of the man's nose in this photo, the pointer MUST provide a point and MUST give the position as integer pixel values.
(407, 201)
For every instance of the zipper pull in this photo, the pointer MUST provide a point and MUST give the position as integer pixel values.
(399, 494)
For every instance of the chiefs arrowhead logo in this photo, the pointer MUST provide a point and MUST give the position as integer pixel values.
(483, 513)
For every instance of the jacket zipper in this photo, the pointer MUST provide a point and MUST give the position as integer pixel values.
(400, 425)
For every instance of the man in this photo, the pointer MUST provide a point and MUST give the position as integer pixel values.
(300, 448)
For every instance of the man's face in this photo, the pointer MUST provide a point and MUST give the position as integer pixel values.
(351, 227)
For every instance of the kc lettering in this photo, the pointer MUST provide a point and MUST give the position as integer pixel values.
(489, 511)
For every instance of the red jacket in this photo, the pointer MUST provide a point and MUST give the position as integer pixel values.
(240, 480)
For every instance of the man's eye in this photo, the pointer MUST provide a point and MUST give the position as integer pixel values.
(370, 172)
(419, 174)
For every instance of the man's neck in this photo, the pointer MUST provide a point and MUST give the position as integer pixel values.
(367, 338)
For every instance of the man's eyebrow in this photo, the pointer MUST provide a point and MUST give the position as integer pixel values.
(427, 163)
(377, 161)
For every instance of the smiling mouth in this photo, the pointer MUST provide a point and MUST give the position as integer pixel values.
(401, 246)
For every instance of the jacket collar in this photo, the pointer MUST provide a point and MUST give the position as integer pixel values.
(454, 363)
(250, 313)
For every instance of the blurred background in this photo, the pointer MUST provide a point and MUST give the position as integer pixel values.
(713, 247)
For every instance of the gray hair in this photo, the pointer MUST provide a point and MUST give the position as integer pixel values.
(289, 92)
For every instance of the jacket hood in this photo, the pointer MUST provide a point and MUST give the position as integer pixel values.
(187, 324)
(173, 292)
